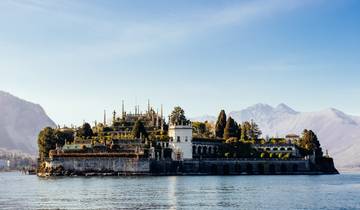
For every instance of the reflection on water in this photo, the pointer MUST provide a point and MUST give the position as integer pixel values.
(183, 192)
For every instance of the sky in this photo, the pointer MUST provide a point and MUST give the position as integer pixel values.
(78, 58)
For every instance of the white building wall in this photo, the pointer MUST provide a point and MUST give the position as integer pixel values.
(181, 141)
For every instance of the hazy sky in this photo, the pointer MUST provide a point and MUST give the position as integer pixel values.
(77, 58)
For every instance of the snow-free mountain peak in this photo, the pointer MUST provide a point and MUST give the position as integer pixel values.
(337, 131)
(20, 123)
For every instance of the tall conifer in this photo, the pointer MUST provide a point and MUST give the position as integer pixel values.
(220, 124)
(231, 129)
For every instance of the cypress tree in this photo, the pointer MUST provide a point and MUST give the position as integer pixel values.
(220, 124)
(231, 129)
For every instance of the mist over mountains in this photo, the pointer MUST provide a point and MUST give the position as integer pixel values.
(20, 123)
(338, 132)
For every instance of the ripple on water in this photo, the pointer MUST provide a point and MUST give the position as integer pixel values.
(193, 192)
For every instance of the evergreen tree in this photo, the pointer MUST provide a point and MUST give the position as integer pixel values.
(245, 131)
(139, 130)
(255, 132)
(177, 116)
(231, 129)
(220, 124)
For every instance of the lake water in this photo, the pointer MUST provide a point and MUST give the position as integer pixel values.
(19, 191)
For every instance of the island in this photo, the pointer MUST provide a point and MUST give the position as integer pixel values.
(145, 143)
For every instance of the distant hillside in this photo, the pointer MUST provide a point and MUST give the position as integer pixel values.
(20, 123)
(337, 131)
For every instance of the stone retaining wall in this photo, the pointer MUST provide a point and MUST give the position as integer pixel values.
(102, 164)
(230, 167)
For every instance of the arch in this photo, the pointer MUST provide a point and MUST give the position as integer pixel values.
(199, 150)
(204, 150)
(289, 149)
(210, 150)
(194, 149)
(282, 149)
(275, 149)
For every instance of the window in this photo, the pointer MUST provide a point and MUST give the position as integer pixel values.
(178, 139)
(186, 139)
(171, 139)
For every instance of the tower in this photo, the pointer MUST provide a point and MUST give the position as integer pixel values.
(181, 141)
(104, 117)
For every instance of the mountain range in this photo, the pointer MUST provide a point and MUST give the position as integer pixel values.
(339, 133)
(20, 123)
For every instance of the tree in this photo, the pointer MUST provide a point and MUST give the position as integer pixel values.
(245, 131)
(85, 131)
(177, 116)
(231, 129)
(46, 142)
(139, 130)
(220, 124)
(255, 132)
(63, 136)
(199, 128)
(310, 143)
(48, 139)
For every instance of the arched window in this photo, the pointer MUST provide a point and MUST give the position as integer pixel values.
(178, 139)
(204, 150)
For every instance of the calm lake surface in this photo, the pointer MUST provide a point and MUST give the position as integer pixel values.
(19, 191)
